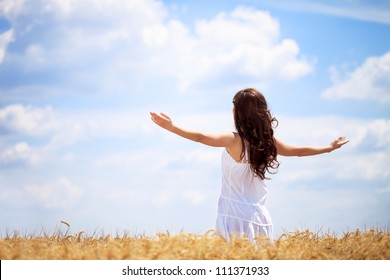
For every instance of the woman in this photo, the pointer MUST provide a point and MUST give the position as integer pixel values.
(249, 153)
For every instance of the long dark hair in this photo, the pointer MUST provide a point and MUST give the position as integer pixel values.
(254, 124)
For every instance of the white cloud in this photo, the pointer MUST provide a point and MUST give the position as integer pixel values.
(5, 39)
(384, 190)
(195, 197)
(54, 131)
(63, 128)
(358, 10)
(11, 7)
(244, 41)
(368, 12)
(19, 154)
(368, 81)
(364, 157)
(57, 194)
(374, 134)
(28, 120)
(163, 197)
(124, 43)
(48, 194)
(82, 10)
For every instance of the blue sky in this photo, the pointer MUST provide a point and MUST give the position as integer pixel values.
(78, 79)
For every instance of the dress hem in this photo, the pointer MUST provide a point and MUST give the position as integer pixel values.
(241, 219)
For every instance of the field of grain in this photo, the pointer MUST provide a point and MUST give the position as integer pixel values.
(300, 245)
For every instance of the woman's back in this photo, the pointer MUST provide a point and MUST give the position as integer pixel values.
(239, 182)
(241, 207)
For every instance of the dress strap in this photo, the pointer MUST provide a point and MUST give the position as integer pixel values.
(245, 153)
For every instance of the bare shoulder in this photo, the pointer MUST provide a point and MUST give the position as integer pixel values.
(231, 138)
(237, 142)
(235, 150)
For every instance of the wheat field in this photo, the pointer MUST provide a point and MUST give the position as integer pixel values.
(300, 245)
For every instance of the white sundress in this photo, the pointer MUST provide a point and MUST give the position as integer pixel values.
(241, 209)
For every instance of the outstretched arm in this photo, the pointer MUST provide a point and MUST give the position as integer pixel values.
(301, 151)
(215, 140)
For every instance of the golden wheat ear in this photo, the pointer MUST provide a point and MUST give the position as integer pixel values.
(65, 223)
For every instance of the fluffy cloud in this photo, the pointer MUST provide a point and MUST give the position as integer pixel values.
(50, 194)
(19, 154)
(95, 46)
(62, 128)
(375, 11)
(26, 120)
(5, 38)
(364, 157)
(364, 135)
(368, 81)
(53, 195)
(244, 42)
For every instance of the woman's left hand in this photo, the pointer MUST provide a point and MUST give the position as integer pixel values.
(338, 142)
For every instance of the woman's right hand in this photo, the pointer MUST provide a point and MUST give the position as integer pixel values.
(162, 120)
